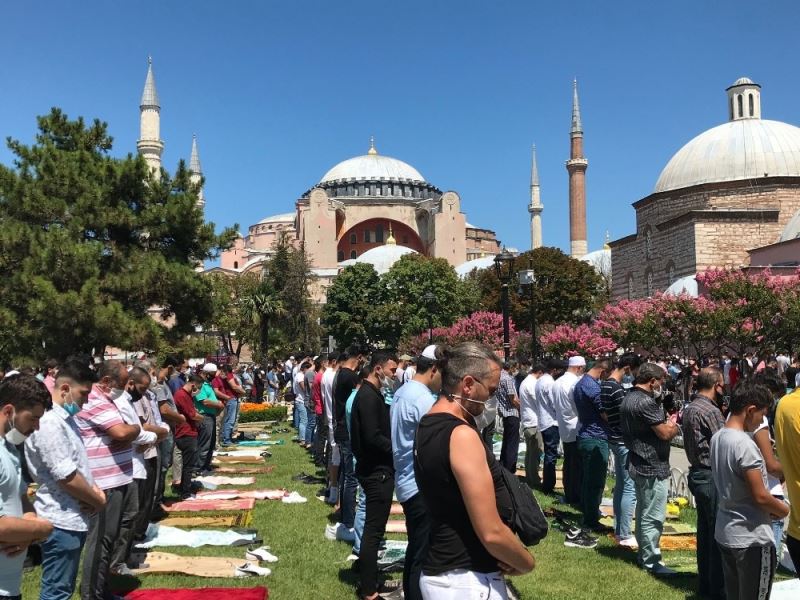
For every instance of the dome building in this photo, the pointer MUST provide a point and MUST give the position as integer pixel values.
(731, 189)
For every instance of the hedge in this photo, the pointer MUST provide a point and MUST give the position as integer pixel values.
(274, 413)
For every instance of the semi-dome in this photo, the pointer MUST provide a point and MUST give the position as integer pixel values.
(282, 218)
(381, 258)
(734, 151)
(683, 286)
(372, 166)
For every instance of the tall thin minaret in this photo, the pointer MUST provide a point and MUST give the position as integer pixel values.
(576, 167)
(535, 207)
(196, 172)
(150, 145)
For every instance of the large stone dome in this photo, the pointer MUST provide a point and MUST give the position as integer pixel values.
(372, 166)
(735, 151)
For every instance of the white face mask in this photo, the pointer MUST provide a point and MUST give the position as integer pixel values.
(14, 436)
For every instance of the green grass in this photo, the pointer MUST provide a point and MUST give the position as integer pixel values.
(311, 566)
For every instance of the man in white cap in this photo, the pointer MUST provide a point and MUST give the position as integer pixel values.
(411, 402)
(208, 405)
(567, 418)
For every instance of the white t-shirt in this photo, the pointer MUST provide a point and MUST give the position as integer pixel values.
(564, 406)
(12, 487)
(527, 399)
(773, 484)
(544, 402)
(298, 384)
(144, 438)
(326, 387)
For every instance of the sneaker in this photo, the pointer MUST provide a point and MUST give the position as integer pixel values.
(629, 542)
(660, 570)
(572, 532)
(582, 540)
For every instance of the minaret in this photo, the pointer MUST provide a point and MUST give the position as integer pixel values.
(196, 172)
(535, 207)
(576, 167)
(150, 145)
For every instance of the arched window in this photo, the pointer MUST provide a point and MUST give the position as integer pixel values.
(752, 110)
(236, 264)
(648, 288)
(366, 236)
(732, 114)
(340, 256)
(741, 105)
(352, 254)
(353, 238)
(648, 243)
(671, 273)
(379, 233)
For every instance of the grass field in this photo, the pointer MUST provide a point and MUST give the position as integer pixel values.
(311, 566)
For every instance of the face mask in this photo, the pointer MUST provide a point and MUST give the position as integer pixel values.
(71, 406)
(14, 436)
(135, 395)
(488, 415)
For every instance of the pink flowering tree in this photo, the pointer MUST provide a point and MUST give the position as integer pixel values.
(571, 340)
(482, 326)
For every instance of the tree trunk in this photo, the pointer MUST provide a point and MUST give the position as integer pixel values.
(263, 329)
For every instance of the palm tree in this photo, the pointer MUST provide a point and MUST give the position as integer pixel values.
(258, 307)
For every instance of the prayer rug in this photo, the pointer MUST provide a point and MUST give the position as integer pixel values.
(396, 526)
(220, 480)
(678, 542)
(218, 505)
(232, 460)
(242, 519)
(786, 590)
(246, 470)
(396, 509)
(256, 593)
(232, 494)
(164, 535)
(199, 566)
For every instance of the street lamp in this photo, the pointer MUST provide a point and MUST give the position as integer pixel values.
(504, 267)
(528, 277)
(430, 302)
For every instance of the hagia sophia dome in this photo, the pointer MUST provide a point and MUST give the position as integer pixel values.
(372, 166)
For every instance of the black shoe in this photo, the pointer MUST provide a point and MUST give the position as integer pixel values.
(581, 540)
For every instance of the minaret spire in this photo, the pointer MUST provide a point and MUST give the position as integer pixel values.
(196, 172)
(576, 167)
(150, 145)
(535, 208)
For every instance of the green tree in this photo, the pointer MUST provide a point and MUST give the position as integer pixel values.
(90, 243)
(229, 318)
(258, 308)
(349, 313)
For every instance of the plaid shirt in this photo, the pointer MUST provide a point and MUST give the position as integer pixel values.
(648, 455)
(701, 419)
(506, 391)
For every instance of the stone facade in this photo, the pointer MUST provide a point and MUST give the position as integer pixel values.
(480, 242)
(681, 232)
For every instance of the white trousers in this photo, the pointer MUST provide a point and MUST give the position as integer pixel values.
(461, 584)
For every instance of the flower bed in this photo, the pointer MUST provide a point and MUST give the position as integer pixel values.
(250, 412)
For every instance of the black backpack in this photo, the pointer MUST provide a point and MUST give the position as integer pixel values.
(527, 519)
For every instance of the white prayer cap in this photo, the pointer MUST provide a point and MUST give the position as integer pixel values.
(210, 368)
(577, 361)
(429, 352)
(10, 373)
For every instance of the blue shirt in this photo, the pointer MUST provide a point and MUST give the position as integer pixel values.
(412, 401)
(587, 403)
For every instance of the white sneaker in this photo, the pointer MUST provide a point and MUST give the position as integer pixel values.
(345, 534)
(330, 531)
(294, 498)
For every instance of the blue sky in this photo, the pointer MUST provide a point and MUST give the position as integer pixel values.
(279, 92)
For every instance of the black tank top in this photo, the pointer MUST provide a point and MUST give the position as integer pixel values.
(453, 541)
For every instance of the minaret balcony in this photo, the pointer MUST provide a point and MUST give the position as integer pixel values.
(577, 163)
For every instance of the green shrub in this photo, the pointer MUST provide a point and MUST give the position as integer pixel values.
(275, 413)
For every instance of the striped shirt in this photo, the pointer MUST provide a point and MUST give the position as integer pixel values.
(111, 462)
(611, 396)
(506, 391)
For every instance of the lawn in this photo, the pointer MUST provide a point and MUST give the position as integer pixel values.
(311, 566)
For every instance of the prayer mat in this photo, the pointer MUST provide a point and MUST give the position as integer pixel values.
(256, 593)
(678, 542)
(242, 519)
(232, 494)
(246, 470)
(232, 460)
(786, 590)
(239, 452)
(164, 535)
(393, 554)
(218, 505)
(199, 566)
(250, 443)
(220, 480)
(396, 526)
(397, 509)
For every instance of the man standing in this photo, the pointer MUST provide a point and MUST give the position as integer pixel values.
(67, 495)
(300, 393)
(567, 417)
(169, 415)
(611, 395)
(206, 403)
(787, 439)
(346, 382)
(225, 393)
(647, 432)
(548, 424)
(372, 448)
(311, 415)
(530, 425)
(107, 438)
(411, 402)
(332, 454)
(186, 432)
(22, 402)
(320, 427)
(592, 442)
(508, 409)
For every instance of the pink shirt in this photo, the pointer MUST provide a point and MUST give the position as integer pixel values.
(111, 462)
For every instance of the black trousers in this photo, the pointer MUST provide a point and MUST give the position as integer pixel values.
(378, 489)
(710, 581)
(164, 465)
(147, 488)
(748, 572)
(100, 542)
(418, 524)
(320, 438)
(572, 473)
(206, 441)
(510, 448)
(127, 525)
(188, 447)
(793, 546)
(550, 440)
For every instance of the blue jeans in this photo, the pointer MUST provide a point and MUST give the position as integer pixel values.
(348, 484)
(229, 420)
(360, 518)
(61, 555)
(302, 419)
(624, 492)
(311, 425)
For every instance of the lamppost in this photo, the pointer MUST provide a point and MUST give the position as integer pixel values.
(504, 267)
(528, 277)
(430, 302)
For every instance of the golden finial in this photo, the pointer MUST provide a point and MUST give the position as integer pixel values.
(372, 150)
(390, 241)
(607, 245)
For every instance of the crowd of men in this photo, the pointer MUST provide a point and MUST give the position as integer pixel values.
(99, 440)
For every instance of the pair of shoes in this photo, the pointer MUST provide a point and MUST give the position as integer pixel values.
(261, 554)
(581, 539)
(124, 571)
(339, 532)
(628, 542)
(660, 570)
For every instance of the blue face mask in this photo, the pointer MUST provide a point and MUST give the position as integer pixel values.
(72, 409)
